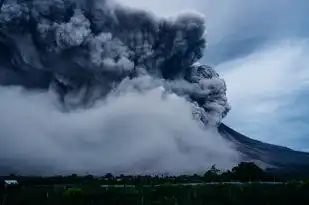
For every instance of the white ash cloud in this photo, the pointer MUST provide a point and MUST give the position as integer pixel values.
(139, 133)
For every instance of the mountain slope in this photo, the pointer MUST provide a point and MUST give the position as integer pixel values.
(271, 156)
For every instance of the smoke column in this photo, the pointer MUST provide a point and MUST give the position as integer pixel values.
(94, 87)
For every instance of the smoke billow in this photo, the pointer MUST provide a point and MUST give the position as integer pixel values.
(92, 86)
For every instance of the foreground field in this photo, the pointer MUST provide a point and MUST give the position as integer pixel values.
(243, 193)
(245, 184)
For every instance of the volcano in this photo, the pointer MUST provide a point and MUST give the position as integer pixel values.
(91, 86)
(265, 155)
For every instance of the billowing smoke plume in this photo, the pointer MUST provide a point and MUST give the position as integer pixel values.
(123, 92)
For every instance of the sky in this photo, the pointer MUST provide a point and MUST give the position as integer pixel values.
(260, 48)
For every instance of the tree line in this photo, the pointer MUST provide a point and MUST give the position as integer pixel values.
(244, 172)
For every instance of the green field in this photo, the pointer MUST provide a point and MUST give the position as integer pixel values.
(161, 194)
(245, 184)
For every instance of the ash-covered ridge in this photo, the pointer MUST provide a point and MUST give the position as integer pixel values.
(267, 156)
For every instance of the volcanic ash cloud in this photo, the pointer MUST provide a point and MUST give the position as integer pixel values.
(95, 87)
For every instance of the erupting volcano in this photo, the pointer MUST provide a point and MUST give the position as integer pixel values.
(90, 86)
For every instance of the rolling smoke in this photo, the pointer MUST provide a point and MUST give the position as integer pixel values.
(95, 87)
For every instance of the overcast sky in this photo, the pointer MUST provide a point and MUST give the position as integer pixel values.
(260, 47)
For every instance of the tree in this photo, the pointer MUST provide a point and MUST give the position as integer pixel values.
(227, 176)
(214, 170)
(108, 176)
(74, 176)
(248, 172)
(212, 174)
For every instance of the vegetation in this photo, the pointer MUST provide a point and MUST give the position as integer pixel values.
(214, 187)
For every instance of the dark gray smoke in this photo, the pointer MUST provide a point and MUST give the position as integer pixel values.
(98, 56)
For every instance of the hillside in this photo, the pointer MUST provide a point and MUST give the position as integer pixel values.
(267, 155)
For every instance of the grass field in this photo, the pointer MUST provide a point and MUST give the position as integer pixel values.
(220, 193)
